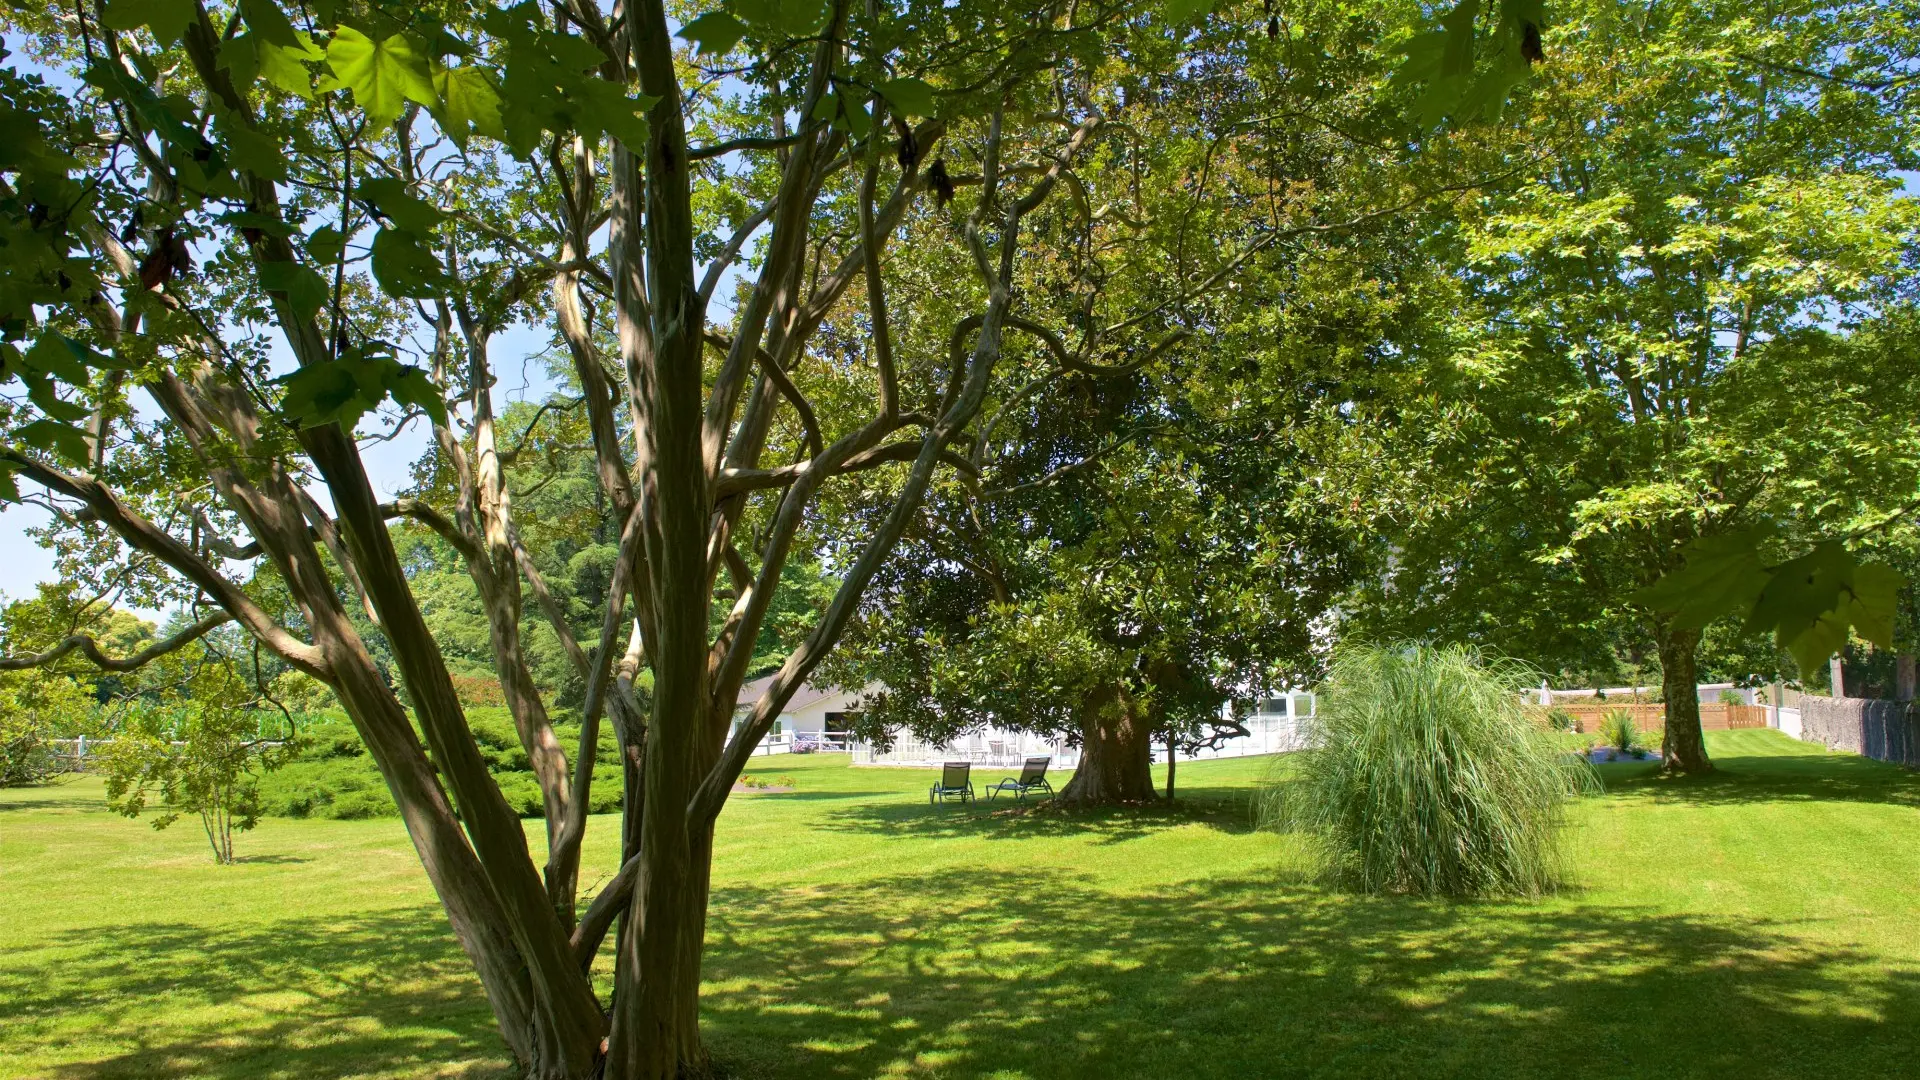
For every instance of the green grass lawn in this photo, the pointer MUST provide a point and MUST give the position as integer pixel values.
(1764, 922)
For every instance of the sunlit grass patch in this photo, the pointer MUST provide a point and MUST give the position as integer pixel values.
(863, 933)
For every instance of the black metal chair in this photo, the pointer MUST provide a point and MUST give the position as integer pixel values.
(956, 782)
(1033, 777)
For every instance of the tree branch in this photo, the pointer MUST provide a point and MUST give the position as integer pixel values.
(91, 648)
(785, 385)
(702, 153)
(150, 538)
(438, 522)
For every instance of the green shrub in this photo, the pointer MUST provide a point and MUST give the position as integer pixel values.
(194, 758)
(1429, 777)
(1562, 720)
(1619, 731)
(335, 777)
(37, 707)
(26, 757)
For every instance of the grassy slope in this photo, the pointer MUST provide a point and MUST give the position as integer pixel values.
(1760, 920)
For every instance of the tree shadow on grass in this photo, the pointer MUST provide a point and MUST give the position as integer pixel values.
(51, 796)
(1223, 809)
(1037, 975)
(1047, 976)
(811, 796)
(388, 994)
(1809, 777)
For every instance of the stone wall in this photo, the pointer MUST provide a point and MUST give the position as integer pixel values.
(1885, 730)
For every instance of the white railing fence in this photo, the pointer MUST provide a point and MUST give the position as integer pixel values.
(76, 751)
(805, 742)
(994, 750)
(1267, 733)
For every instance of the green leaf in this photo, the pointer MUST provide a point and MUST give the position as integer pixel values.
(909, 96)
(383, 75)
(9, 491)
(1874, 599)
(1722, 575)
(325, 244)
(1811, 602)
(407, 211)
(572, 53)
(57, 355)
(167, 19)
(715, 33)
(469, 104)
(343, 390)
(1802, 590)
(441, 42)
(303, 289)
(158, 113)
(1458, 25)
(1184, 11)
(605, 107)
(283, 68)
(65, 359)
(338, 391)
(404, 269)
(55, 438)
(410, 385)
(247, 219)
(240, 60)
(253, 151)
(791, 18)
(271, 24)
(40, 391)
(856, 120)
(827, 107)
(1818, 640)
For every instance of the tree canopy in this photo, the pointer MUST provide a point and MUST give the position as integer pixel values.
(1125, 344)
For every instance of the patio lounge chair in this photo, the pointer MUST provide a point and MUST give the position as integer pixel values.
(955, 783)
(1033, 777)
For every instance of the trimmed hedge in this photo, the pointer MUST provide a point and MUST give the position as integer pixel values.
(334, 777)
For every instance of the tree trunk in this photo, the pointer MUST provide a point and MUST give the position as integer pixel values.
(1173, 752)
(1683, 747)
(1116, 753)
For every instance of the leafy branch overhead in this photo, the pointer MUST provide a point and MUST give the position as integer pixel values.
(1807, 603)
(1447, 61)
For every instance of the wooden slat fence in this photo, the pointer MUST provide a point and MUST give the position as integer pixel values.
(1652, 717)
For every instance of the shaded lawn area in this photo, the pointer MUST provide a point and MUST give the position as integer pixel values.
(1759, 921)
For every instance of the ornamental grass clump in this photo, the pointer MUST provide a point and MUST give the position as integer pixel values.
(1620, 731)
(1429, 777)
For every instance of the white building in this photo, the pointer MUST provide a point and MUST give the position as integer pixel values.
(816, 718)
(1277, 725)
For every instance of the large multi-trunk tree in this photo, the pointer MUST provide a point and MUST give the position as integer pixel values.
(235, 233)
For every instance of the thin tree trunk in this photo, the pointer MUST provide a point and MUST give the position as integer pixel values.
(1683, 746)
(1116, 753)
(1172, 753)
